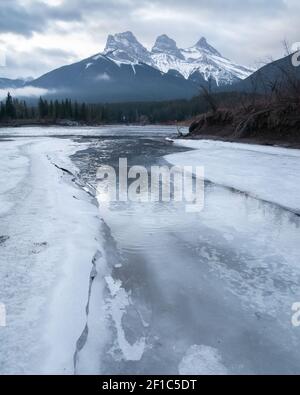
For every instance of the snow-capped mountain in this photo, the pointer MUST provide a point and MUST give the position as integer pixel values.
(127, 71)
(201, 61)
(102, 78)
(125, 48)
(165, 45)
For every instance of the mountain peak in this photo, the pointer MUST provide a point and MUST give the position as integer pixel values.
(203, 44)
(165, 44)
(126, 36)
(121, 40)
(201, 60)
(125, 46)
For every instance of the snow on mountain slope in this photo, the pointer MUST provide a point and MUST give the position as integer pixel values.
(165, 45)
(200, 59)
(195, 63)
(124, 47)
(109, 79)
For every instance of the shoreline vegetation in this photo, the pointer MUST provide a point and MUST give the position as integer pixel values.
(267, 122)
(67, 112)
(269, 118)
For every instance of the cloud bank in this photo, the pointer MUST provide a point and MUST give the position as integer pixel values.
(28, 92)
(40, 35)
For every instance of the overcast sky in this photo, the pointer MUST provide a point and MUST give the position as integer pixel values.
(39, 35)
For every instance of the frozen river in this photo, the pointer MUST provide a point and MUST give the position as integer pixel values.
(166, 291)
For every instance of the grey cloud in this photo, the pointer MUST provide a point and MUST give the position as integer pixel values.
(241, 30)
(57, 53)
(16, 18)
(34, 63)
(36, 17)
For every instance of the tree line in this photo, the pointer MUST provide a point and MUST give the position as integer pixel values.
(52, 111)
(12, 109)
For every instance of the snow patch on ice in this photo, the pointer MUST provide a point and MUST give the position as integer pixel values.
(54, 232)
(266, 173)
(96, 334)
(202, 360)
(14, 165)
(209, 144)
(117, 306)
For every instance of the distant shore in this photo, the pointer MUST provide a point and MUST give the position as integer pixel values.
(67, 123)
(259, 140)
(22, 123)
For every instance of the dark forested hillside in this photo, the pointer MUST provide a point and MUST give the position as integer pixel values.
(12, 110)
(273, 76)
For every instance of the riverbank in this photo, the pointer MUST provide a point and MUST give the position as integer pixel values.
(69, 123)
(264, 123)
(51, 242)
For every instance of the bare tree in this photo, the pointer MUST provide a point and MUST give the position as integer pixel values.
(286, 47)
(209, 98)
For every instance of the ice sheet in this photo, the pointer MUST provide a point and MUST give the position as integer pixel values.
(104, 130)
(53, 231)
(267, 173)
(202, 360)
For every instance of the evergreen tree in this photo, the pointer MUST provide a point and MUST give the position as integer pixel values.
(56, 110)
(51, 110)
(83, 113)
(2, 111)
(76, 112)
(10, 110)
